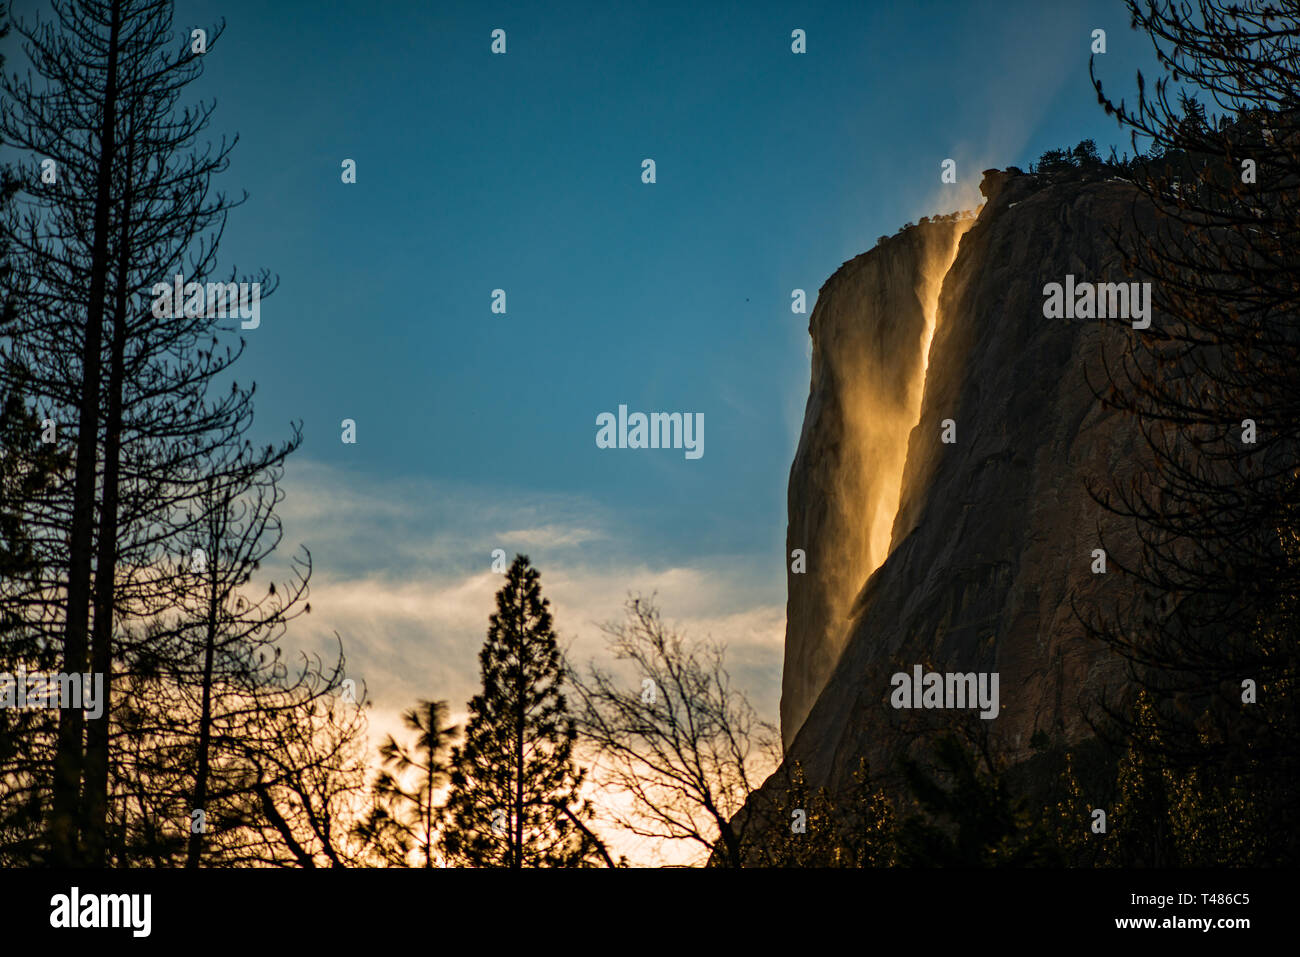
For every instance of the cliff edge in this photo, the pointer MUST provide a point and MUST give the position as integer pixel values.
(991, 533)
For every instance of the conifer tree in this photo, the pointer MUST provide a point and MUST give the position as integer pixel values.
(30, 467)
(514, 800)
(117, 197)
(967, 815)
(405, 817)
(1203, 612)
(816, 828)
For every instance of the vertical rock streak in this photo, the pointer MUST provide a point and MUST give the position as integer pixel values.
(872, 328)
(988, 561)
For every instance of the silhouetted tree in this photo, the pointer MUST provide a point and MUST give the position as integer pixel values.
(818, 829)
(1204, 607)
(515, 798)
(162, 466)
(222, 657)
(30, 468)
(405, 816)
(674, 736)
(1082, 158)
(968, 816)
(64, 63)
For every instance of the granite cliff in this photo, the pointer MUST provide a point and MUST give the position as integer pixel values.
(871, 329)
(990, 537)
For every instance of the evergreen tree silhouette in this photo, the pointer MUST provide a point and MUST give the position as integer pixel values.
(405, 816)
(29, 468)
(1207, 601)
(514, 786)
(967, 814)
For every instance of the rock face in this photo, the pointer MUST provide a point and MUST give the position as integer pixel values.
(991, 549)
(871, 328)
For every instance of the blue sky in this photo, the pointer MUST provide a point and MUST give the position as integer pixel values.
(522, 172)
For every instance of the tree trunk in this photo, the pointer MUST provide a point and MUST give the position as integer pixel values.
(68, 756)
(518, 842)
(94, 828)
(195, 848)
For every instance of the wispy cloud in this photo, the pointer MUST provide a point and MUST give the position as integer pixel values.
(550, 535)
(402, 573)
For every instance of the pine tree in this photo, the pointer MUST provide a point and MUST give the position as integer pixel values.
(820, 829)
(1206, 602)
(405, 816)
(116, 214)
(197, 717)
(30, 467)
(514, 787)
(967, 814)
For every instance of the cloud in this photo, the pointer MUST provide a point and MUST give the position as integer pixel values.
(419, 636)
(357, 524)
(552, 535)
(402, 573)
